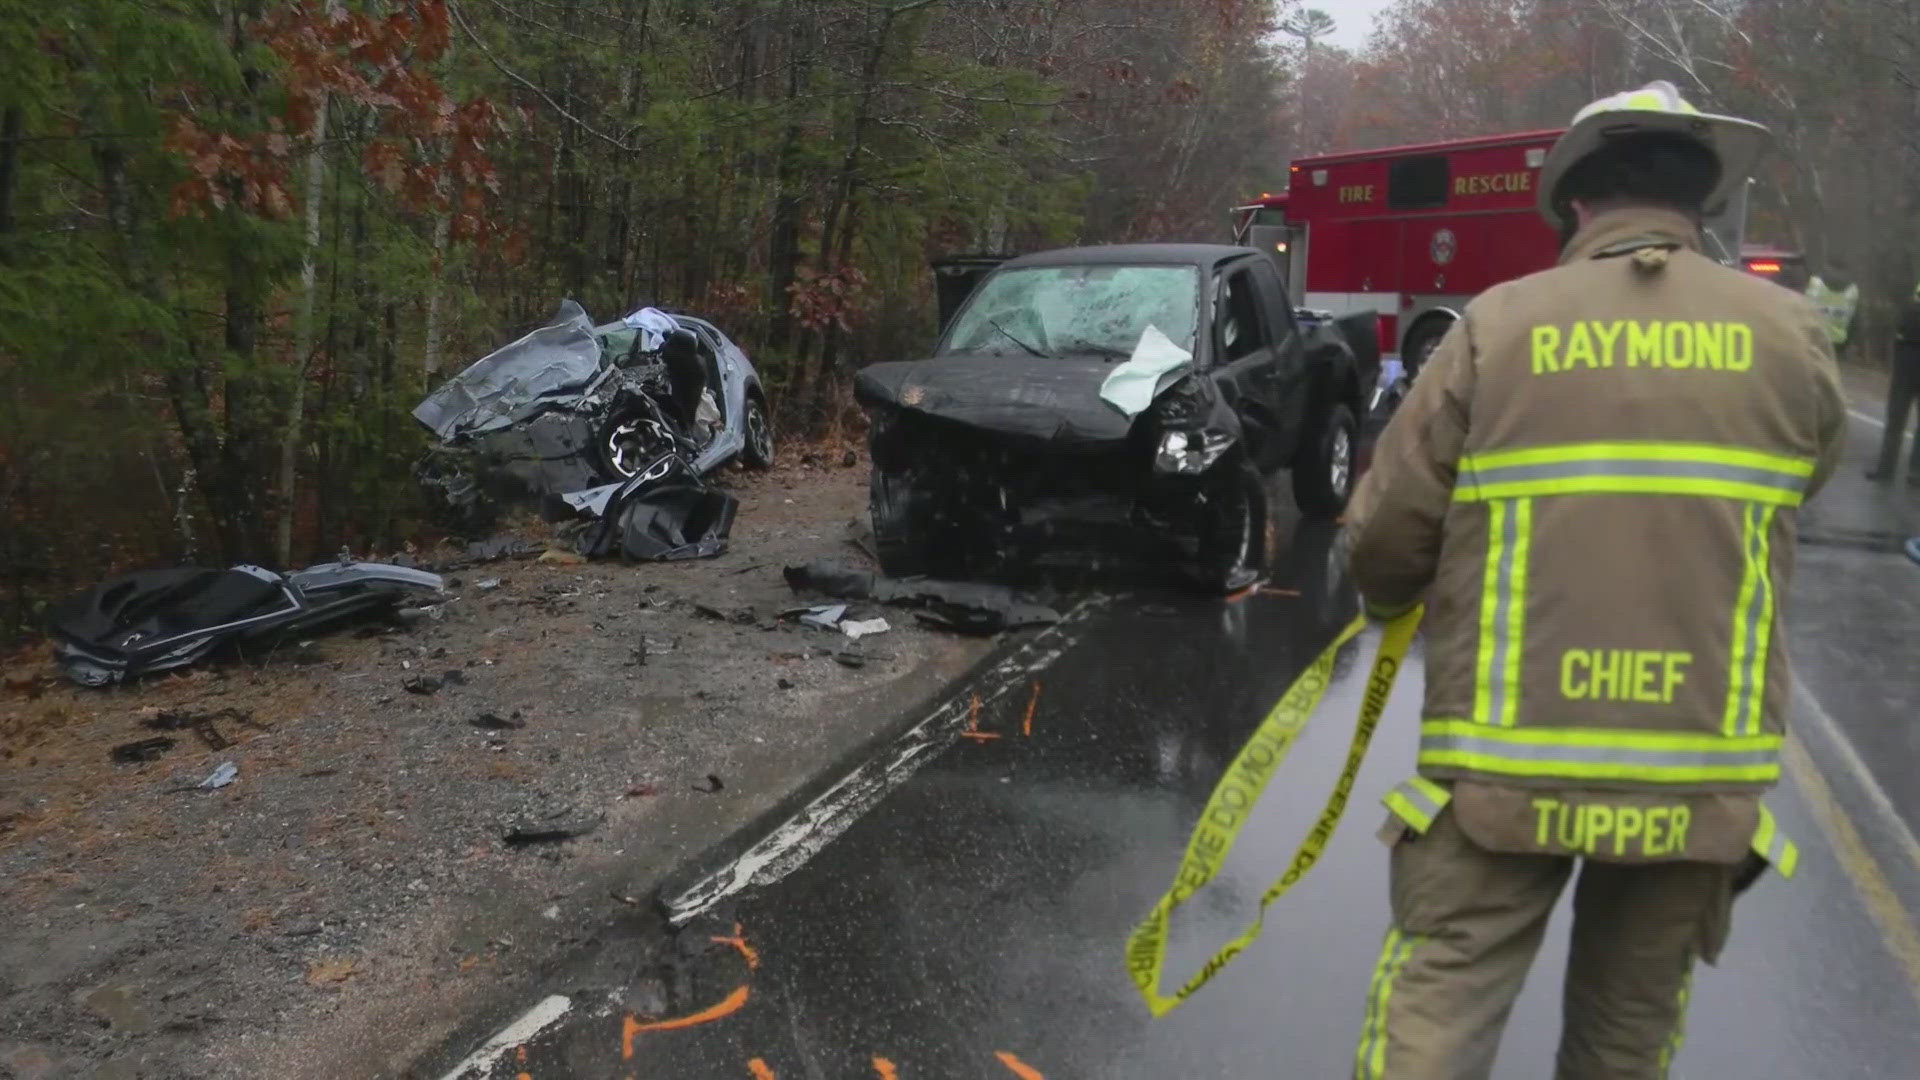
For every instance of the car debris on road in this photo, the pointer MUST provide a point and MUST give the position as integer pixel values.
(961, 606)
(618, 425)
(226, 774)
(159, 620)
(141, 751)
(547, 825)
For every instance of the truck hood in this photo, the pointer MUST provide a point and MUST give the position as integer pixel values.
(1052, 399)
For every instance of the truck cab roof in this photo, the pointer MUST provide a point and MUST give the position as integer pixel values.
(1203, 255)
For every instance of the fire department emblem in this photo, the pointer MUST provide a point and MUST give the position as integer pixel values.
(1443, 247)
(913, 395)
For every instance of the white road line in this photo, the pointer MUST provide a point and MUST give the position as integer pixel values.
(803, 835)
(1864, 418)
(1890, 819)
(533, 1022)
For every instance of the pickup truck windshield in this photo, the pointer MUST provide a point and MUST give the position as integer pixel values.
(1055, 311)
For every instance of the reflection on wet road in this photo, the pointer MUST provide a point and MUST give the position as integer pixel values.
(972, 922)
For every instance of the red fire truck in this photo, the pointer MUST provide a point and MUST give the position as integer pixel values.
(1414, 232)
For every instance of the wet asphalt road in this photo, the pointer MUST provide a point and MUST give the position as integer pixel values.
(972, 923)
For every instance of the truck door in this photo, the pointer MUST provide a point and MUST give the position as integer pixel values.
(1725, 232)
(1257, 357)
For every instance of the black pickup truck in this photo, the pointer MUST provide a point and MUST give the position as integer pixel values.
(1149, 389)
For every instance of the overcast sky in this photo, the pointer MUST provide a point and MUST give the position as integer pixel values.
(1353, 19)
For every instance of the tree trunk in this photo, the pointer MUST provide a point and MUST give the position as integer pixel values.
(836, 238)
(437, 291)
(10, 124)
(302, 338)
(783, 256)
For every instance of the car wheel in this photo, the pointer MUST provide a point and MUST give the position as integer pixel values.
(1233, 538)
(898, 538)
(759, 448)
(1323, 476)
(629, 442)
(1421, 343)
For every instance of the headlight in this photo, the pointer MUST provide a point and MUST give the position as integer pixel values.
(1190, 452)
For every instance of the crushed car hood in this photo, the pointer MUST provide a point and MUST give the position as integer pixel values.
(1051, 399)
(516, 381)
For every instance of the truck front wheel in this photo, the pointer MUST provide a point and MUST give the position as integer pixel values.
(1323, 475)
(1233, 532)
(899, 522)
(1421, 341)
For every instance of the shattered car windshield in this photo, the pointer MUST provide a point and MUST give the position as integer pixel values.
(1061, 310)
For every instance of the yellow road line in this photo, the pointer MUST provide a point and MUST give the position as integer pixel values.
(1897, 924)
(1894, 826)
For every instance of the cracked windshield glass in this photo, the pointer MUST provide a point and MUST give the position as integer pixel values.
(1062, 310)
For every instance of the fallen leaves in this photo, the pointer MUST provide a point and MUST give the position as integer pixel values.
(331, 972)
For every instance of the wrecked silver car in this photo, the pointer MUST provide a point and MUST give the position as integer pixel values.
(599, 421)
(159, 620)
(1135, 396)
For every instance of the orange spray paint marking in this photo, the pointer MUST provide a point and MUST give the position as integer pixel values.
(1271, 591)
(1020, 1068)
(733, 1004)
(760, 1070)
(739, 941)
(883, 1066)
(973, 724)
(1026, 726)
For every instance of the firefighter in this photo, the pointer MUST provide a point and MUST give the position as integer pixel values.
(1593, 491)
(1902, 394)
(1838, 302)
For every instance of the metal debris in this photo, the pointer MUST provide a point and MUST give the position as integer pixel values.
(563, 823)
(141, 750)
(488, 721)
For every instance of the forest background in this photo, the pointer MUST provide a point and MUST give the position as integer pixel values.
(240, 239)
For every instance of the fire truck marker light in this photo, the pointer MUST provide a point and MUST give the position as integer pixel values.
(1764, 267)
(1281, 246)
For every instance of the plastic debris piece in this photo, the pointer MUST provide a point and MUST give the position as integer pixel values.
(859, 629)
(824, 617)
(221, 777)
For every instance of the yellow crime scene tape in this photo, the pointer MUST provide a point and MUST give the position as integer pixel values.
(1233, 799)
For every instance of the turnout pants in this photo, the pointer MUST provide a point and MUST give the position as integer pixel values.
(1901, 395)
(1466, 925)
